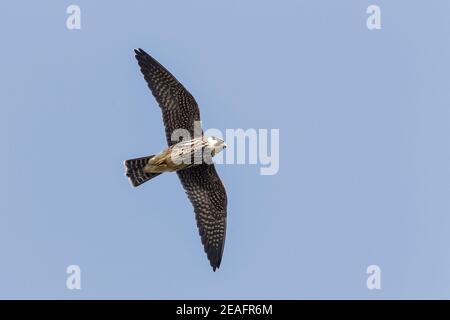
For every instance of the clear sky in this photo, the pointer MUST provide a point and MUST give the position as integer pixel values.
(364, 175)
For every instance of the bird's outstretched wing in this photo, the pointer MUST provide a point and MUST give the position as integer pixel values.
(208, 196)
(179, 108)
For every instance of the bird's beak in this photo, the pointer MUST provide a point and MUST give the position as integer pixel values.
(224, 145)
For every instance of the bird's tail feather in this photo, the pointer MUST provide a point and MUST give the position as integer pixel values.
(135, 170)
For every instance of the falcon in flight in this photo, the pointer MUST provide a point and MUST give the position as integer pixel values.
(189, 158)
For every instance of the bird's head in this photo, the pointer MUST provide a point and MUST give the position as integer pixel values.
(216, 145)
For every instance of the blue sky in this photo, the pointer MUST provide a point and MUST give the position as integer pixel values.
(364, 149)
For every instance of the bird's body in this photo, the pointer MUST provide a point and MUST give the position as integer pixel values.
(189, 158)
(184, 154)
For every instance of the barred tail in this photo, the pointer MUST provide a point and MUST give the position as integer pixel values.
(135, 170)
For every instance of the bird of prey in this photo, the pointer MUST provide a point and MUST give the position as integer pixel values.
(197, 174)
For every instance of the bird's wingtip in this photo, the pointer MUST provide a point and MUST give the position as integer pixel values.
(139, 51)
(215, 266)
